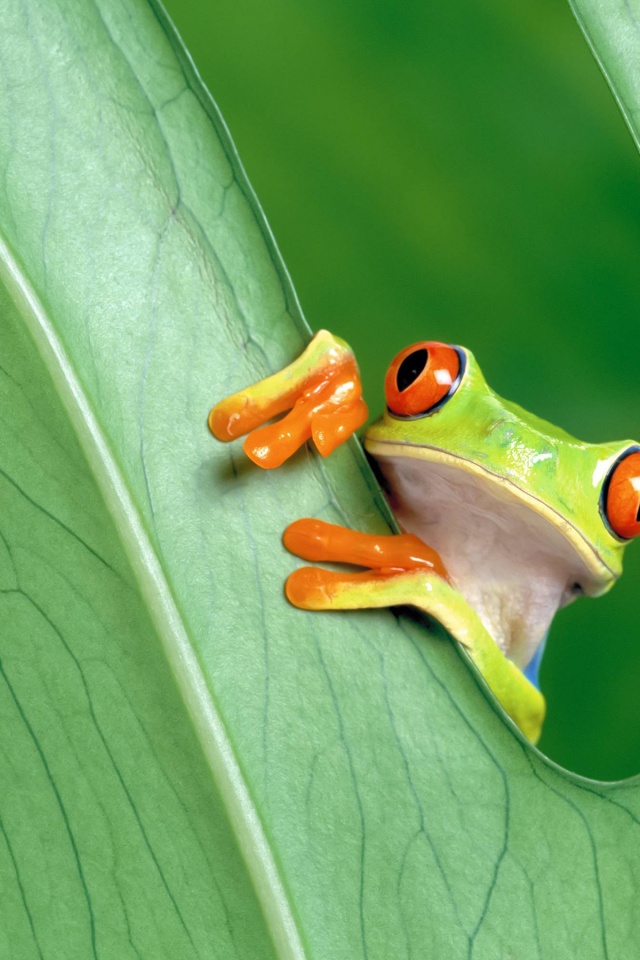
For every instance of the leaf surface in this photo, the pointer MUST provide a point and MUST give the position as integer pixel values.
(382, 805)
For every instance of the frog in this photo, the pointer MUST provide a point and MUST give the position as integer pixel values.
(504, 517)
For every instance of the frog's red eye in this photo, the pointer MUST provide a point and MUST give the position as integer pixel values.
(420, 377)
(622, 496)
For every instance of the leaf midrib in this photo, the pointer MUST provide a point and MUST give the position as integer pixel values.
(159, 600)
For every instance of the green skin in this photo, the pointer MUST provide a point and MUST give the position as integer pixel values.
(532, 462)
(478, 427)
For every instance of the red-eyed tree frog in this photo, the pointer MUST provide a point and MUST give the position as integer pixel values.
(519, 517)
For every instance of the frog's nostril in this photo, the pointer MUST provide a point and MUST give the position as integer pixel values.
(411, 368)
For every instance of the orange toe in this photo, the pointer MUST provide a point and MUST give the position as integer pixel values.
(311, 588)
(319, 541)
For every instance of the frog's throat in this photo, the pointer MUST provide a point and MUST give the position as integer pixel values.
(595, 565)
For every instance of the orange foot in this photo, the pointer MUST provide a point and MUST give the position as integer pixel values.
(321, 389)
(389, 559)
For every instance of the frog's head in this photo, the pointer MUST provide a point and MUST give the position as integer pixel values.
(525, 517)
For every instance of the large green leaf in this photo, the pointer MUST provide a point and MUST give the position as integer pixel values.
(382, 805)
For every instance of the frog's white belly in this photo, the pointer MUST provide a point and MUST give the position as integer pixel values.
(511, 565)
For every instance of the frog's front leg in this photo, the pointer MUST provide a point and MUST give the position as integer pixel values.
(404, 571)
(321, 389)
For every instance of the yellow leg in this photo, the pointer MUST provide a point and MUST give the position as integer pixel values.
(423, 586)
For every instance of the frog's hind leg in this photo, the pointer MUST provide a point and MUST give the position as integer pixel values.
(532, 670)
(404, 571)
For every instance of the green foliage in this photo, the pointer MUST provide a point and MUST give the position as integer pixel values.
(460, 171)
(167, 717)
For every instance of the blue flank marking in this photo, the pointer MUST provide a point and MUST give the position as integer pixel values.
(532, 670)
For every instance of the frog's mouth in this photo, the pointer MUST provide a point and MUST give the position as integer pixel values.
(512, 556)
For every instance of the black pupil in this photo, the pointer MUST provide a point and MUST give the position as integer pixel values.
(638, 515)
(411, 368)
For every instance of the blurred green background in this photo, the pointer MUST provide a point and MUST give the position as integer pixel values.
(459, 172)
